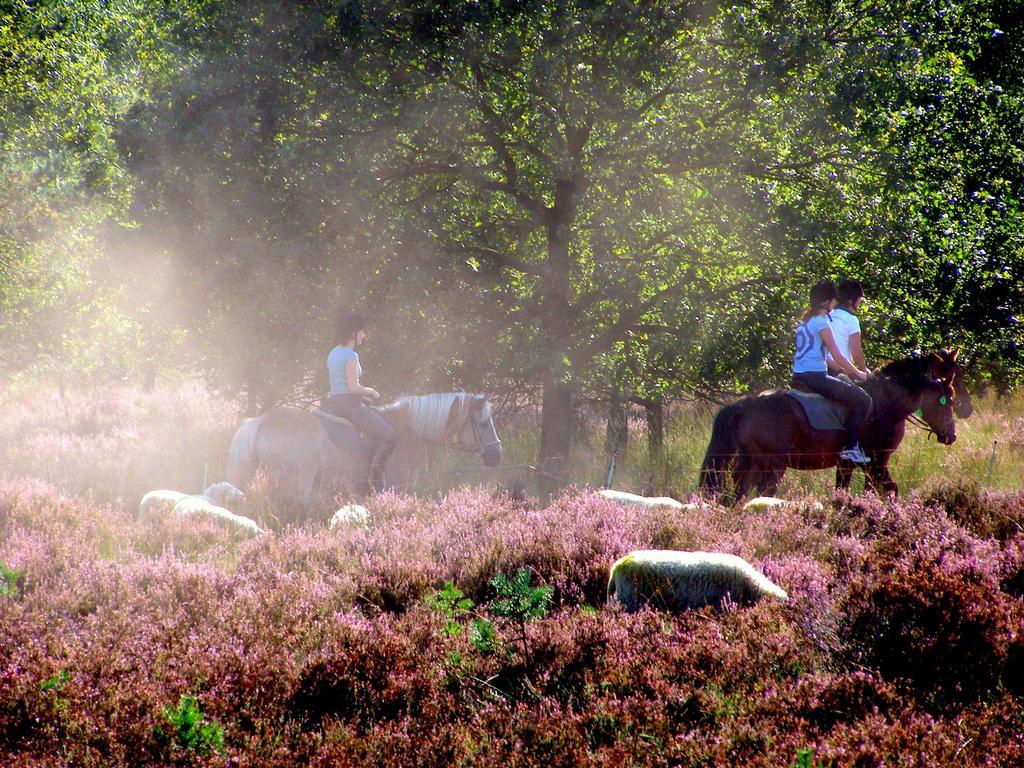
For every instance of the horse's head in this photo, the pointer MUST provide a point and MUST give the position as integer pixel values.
(477, 433)
(937, 364)
(937, 410)
(942, 364)
(224, 495)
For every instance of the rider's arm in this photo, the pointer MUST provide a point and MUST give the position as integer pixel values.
(352, 377)
(837, 357)
(857, 353)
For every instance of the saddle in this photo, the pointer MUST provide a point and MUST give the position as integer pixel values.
(821, 412)
(342, 432)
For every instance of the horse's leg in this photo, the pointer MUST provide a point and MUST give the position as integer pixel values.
(844, 475)
(402, 463)
(771, 477)
(879, 479)
(738, 468)
(745, 475)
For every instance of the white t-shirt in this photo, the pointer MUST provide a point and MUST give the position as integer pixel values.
(844, 325)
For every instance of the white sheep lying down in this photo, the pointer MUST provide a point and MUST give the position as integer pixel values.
(213, 501)
(223, 495)
(159, 501)
(675, 581)
(200, 505)
(631, 499)
(764, 503)
(350, 514)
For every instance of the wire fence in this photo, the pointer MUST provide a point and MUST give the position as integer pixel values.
(911, 467)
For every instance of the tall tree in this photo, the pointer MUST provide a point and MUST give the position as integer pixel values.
(613, 172)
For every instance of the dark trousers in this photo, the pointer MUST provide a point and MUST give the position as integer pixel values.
(856, 400)
(374, 427)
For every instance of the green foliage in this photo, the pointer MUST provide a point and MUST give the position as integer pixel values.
(517, 600)
(450, 602)
(520, 603)
(9, 581)
(70, 72)
(56, 682)
(557, 201)
(805, 759)
(188, 728)
(484, 636)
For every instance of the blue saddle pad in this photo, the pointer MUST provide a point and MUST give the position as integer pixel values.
(821, 412)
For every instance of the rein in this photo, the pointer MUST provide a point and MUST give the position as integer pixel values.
(478, 436)
(918, 421)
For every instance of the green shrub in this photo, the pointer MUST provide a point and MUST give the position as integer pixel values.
(9, 581)
(188, 728)
(805, 759)
(520, 603)
(451, 603)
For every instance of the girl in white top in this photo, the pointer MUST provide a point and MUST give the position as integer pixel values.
(846, 327)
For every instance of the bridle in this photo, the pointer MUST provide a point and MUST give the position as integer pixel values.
(478, 436)
(917, 417)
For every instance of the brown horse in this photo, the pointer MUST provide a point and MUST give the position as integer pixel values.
(755, 440)
(303, 464)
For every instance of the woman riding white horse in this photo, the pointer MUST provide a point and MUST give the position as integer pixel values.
(348, 397)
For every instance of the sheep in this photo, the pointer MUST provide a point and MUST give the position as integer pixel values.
(631, 499)
(162, 501)
(676, 581)
(764, 503)
(214, 501)
(350, 514)
(223, 494)
(196, 505)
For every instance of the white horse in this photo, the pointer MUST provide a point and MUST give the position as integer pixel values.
(302, 462)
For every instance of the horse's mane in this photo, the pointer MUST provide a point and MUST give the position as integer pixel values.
(915, 364)
(428, 414)
(910, 382)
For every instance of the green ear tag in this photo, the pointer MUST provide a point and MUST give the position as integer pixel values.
(942, 400)
(919, 413)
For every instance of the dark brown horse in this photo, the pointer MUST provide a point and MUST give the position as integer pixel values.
(754, 441)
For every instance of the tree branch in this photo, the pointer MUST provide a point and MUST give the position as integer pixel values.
(630, 320)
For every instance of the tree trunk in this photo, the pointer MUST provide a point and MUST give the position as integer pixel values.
(559, 378)
(555, 434)
(655, 411)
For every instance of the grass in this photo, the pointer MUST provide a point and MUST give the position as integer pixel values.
(919, 460)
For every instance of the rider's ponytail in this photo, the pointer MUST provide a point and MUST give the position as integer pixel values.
(822, 292)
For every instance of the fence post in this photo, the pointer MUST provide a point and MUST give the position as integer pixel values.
(611, 470)
(991, 462)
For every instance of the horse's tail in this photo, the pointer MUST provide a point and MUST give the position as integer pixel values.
(721, 450)
(242, 461)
